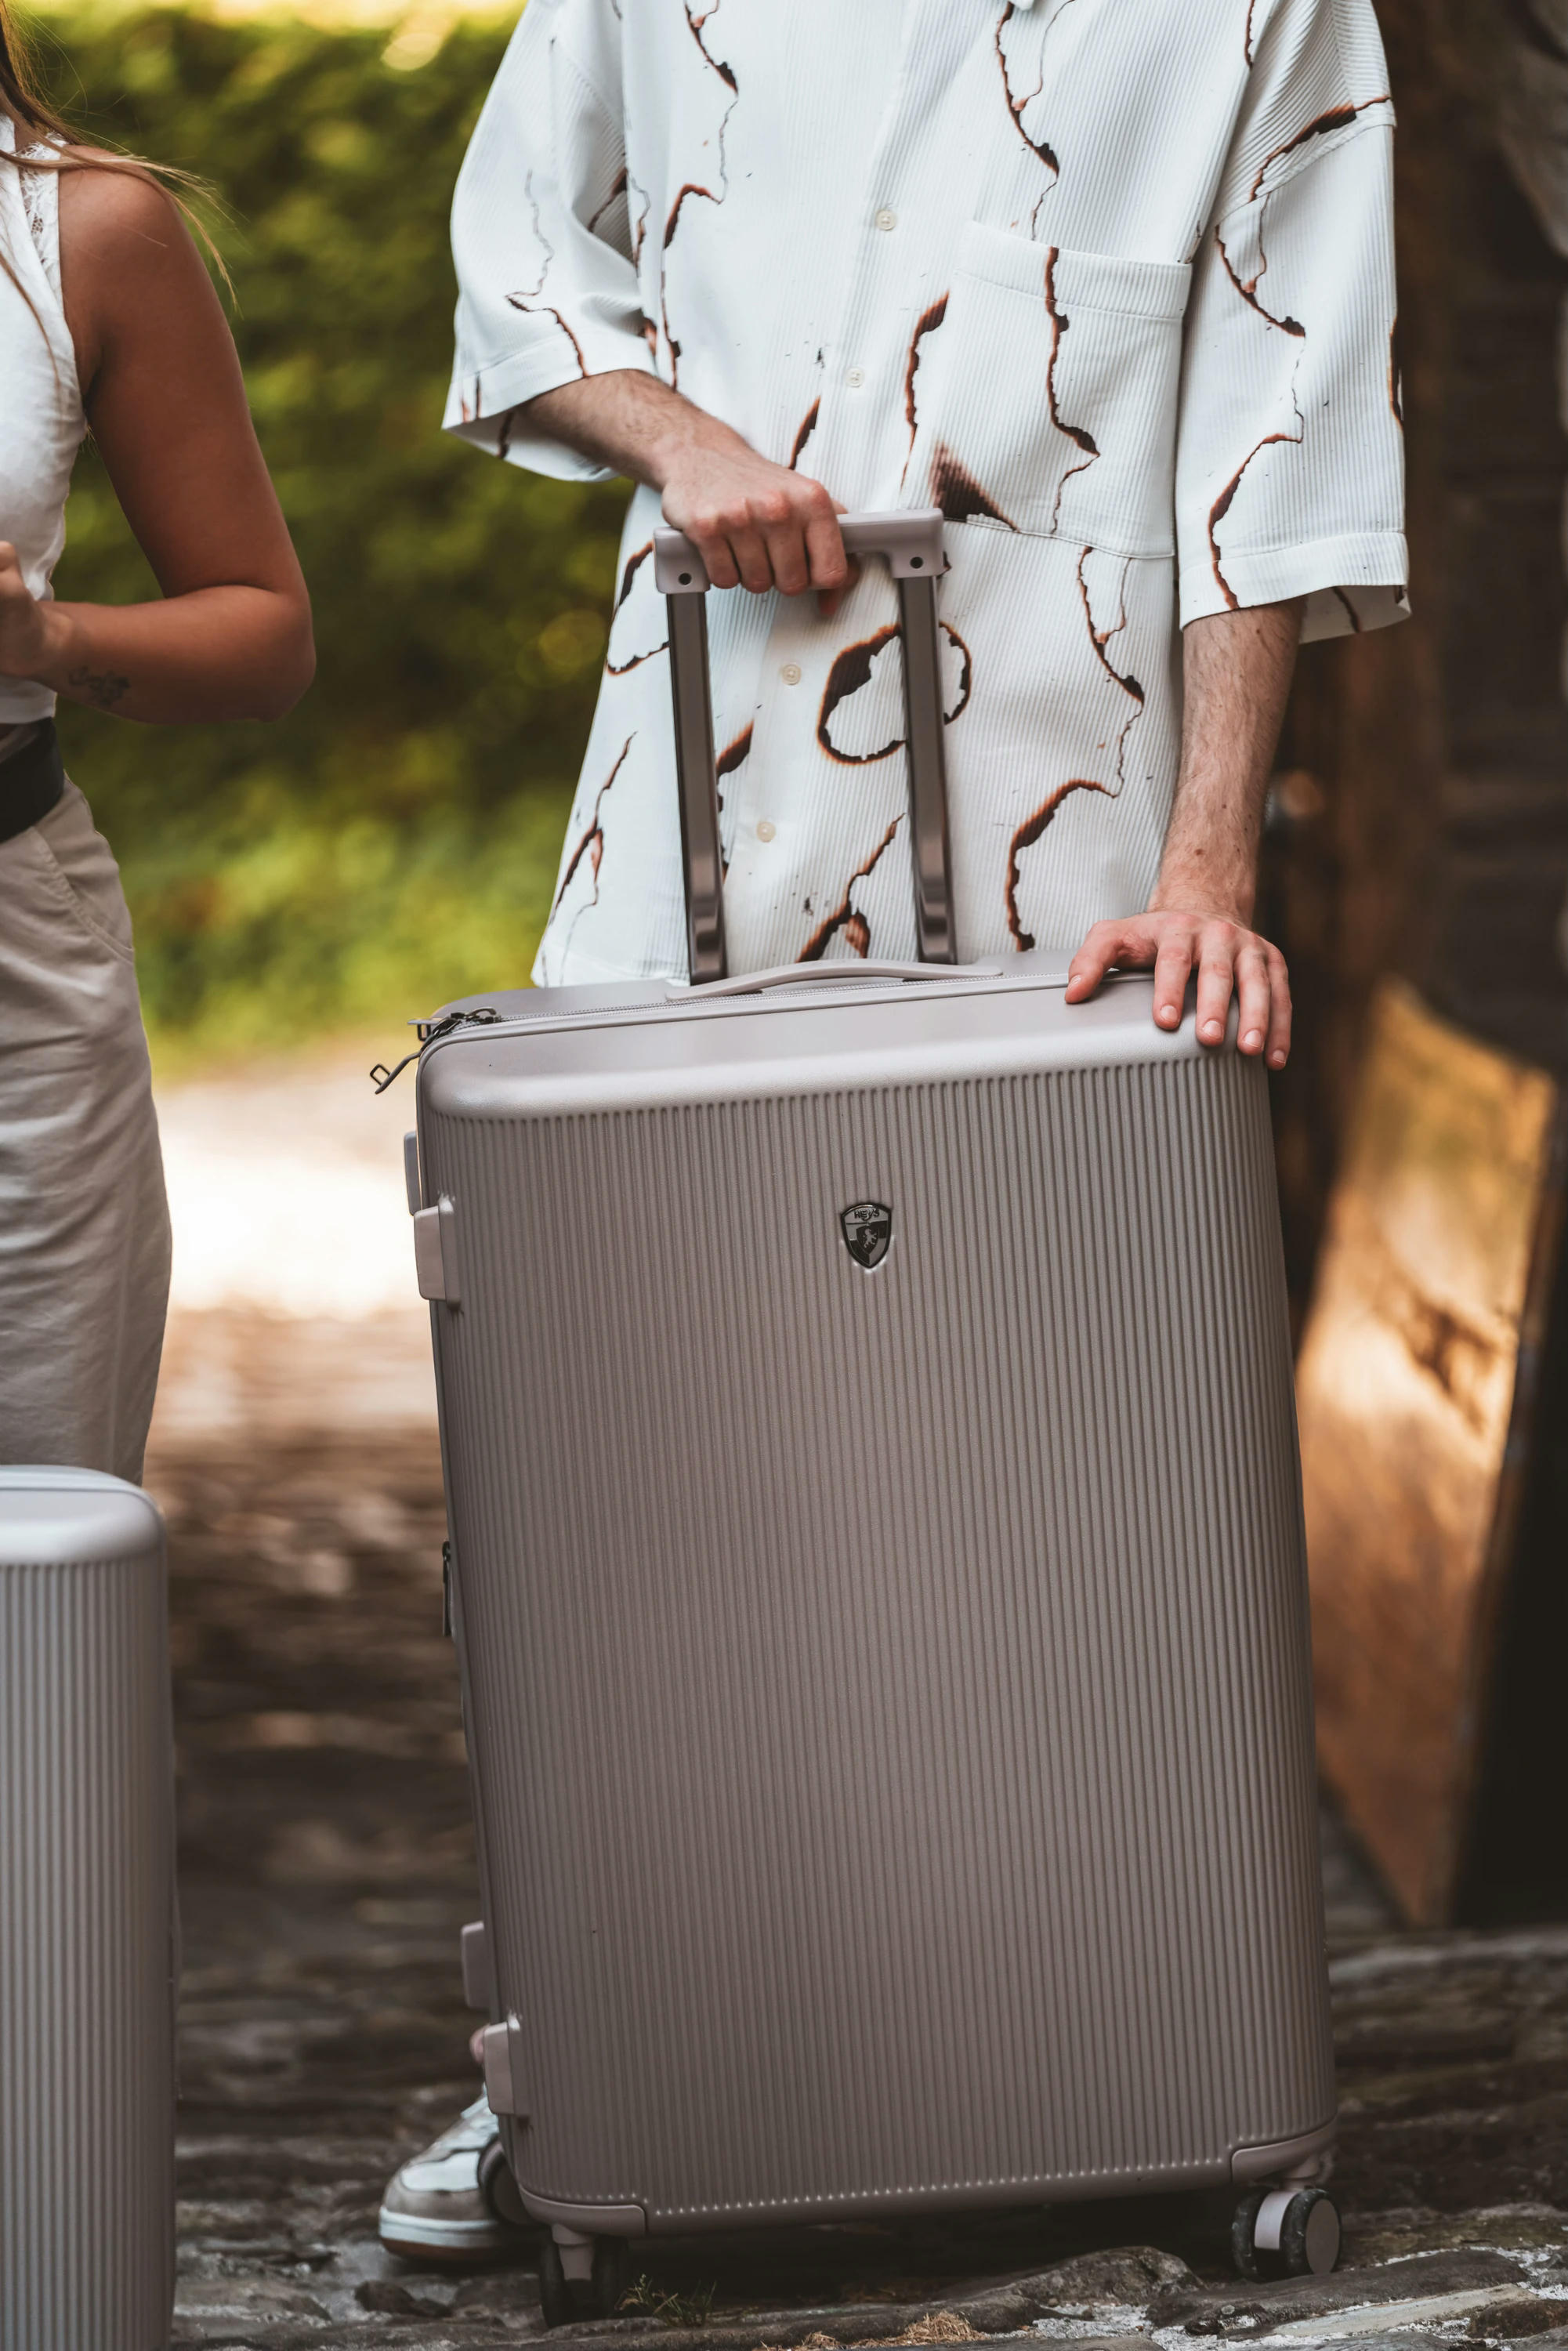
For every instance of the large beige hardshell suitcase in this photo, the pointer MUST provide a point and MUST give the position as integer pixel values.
(878, 1572)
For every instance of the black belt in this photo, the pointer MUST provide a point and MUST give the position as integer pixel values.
(31, 781)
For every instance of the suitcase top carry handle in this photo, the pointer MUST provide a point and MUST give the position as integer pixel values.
(911, 543)
(841, 975)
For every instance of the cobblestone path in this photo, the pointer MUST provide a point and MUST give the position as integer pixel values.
(329, 1865)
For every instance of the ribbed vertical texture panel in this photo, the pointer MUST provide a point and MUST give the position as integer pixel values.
(889, 1692)
(86, 2191)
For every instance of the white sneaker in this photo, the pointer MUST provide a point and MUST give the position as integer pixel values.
(435, 2209)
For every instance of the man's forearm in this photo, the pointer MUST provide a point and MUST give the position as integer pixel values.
(757, 525)
(1237, 669)
(626, 420)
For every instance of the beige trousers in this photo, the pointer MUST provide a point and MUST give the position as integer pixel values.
(84, 1223)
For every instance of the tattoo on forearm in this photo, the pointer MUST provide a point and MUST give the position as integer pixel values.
(103, 688)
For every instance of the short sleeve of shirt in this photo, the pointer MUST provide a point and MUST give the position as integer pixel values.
(541, 236)
(1289, 459)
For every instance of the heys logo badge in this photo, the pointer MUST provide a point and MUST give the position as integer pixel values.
(868, 1232)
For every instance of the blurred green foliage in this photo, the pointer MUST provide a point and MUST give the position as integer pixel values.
(395, 842)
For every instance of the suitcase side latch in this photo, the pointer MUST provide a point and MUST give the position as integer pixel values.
(436, 1252)
(502, 2085)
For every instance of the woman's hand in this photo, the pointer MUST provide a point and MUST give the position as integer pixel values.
(27, 643)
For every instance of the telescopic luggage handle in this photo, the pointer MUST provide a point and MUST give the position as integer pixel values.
(911, 543)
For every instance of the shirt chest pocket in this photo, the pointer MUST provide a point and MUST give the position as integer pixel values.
(1053, 393)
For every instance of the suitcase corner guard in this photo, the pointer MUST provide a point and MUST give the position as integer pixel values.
(1287, 2158)
(584, 2221)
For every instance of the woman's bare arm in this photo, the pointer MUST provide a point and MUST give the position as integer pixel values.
(161, 382)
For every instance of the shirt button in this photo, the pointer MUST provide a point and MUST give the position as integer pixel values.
(766, 829)
(855, 378)
(887, 218)
(790, 673)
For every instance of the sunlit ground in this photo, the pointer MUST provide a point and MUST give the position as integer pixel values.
(293, 1303)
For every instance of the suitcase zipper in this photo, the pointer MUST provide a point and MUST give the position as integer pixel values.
(483, 1017)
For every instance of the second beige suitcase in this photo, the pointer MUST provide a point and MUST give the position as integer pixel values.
(89, 1934)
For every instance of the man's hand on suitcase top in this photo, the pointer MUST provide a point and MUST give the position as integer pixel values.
(1237, 669)
(756, 525)
(1227, 957)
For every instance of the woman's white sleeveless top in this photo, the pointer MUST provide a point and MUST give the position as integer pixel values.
(41, 419)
